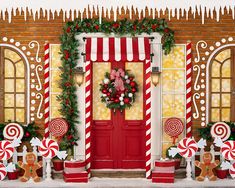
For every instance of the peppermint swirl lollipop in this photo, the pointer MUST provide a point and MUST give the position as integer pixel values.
(174, 127)
(232, 170)
(6, 150)
(58, 127)
(187, 147)
(3, 171)
(221, 130)
(48, 148)
(228, 150)
(12, 131)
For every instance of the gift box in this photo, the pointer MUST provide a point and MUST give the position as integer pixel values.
(156, 174)
(163, 180)
(74, 166)
(81, 177)
(166, 163)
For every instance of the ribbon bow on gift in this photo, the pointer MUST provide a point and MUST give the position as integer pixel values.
(119, 85)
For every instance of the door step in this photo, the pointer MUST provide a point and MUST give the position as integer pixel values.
(118, 173)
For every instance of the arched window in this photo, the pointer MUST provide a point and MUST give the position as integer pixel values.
(13, 87)
(222, 86)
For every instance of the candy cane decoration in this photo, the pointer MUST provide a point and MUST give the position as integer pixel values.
(46, 89)
(148, 118)
(88, 116)
(188, 89)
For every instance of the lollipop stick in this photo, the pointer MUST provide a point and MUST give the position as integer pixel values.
(188, 169)
(48, 169)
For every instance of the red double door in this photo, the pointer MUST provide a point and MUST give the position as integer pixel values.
(119, 142)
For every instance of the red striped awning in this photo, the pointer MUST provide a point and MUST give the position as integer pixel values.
(117, 49)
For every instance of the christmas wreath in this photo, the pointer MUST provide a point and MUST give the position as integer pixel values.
(118, 89)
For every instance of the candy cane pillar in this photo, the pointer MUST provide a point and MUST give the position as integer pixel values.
(46, 88)
(148, 117)
(188, 89)
(88, 116)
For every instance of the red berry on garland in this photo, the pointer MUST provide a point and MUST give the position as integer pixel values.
(131, 78)
(133, 90)
(108, 94)
(27, 134)
(97, 27)
(68, 29)
(67, 101)
(105, 85)
(134, 27)
(166, 30)
(126, 100)
(88, 24)
(154, 27)
(116, 100)
(77, 27)
(111, 99)
(69, 137)
(104, 91)
(67, 84)
(66, 54)
(132, 84)
(73, 143)
(116, 25)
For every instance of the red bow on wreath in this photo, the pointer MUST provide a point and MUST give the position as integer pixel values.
(119, 85)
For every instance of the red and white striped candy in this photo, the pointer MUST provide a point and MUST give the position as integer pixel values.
(6, 150)
(232, 170)
(173, 127)
(187, 147)
(3, 171)
(48, 148)
(12, 131)
(228, 150)
(220, 130)
(58, 127)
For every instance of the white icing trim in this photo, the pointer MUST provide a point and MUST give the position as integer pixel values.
(203, 45)
(196, 68)
(39, 114)
(196, 114)
(32, 45)
(39, 86)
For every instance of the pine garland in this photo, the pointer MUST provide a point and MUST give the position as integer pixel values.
(69, 51)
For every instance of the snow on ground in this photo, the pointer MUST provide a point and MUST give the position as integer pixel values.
(116, 183)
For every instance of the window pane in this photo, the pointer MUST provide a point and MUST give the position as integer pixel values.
(215, 85)
(20, 114)
(215, 69)
(179, 80)
(215, 100)
(9, 85)
(100, 111)
(179, 105)
(8, 69)
(20, 69)
(226, 69)
(165, 146)
(136, 111)
(19, 85)
(168, 105)
(225, 114)
(167, 77)
(19, 100)
(12, 55)
(215, 114)
(9, 100)
(226, 100)
(226, 86)
(55, 79)
(9, 115)
(176, 59)
(223, 55)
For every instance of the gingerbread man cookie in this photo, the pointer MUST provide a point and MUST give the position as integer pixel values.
(30, 168)
(206, 167)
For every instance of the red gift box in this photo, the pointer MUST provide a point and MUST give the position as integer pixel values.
(163, 180)
(76, 177)
(156, 174)
(167, 163)
(74, 166)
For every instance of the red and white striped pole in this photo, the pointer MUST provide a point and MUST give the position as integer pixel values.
(188, 89)
(46, 88)
(148, 117)
(88, 116)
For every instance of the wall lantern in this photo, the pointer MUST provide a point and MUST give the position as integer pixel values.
(78, 75)
(155, 75)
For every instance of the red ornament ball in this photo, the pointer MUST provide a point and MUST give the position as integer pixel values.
(131, 78)
(126, 100)
(111, 99)
(104, 91)
(27, 134)
(105, 85)
(133, 90)
(97, 27)
(108, 94)
(116, 100)
(132, 84)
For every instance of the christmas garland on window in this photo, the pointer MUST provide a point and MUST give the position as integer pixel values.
(69, 51)
(118, 89)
